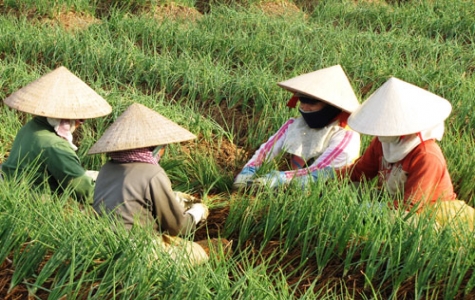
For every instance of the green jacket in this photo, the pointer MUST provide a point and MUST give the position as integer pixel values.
(38, 149)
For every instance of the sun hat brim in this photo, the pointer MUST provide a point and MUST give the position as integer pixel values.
(138, 127)
(330, 85)
(399, 108)
(59, 94)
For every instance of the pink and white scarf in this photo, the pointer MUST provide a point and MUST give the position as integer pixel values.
(64, 128)
(144, 155)
(396, 149)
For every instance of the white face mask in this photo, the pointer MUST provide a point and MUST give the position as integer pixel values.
(388, 139)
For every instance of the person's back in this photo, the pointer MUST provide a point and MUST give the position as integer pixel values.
(133, 189)
(37, 143)
(140, 194)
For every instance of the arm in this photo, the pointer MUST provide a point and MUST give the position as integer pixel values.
(266, 151)
(427, 180)
(64, 165)
(271, 148)
(170, 215)
(367, 166)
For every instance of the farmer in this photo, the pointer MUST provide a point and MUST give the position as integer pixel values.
(133, 187)
(404, 156)
(44, 148)
(318, 139)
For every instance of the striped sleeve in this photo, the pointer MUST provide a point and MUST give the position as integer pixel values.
(271, 148)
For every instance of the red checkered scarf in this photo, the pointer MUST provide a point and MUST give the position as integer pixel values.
(144, 155)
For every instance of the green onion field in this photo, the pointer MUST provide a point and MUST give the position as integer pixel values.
(212, 67)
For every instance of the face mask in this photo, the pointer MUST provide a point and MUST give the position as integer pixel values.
(321, 118)
(388, 139)
(64, 128)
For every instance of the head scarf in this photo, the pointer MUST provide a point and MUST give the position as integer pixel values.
(64, 128)
(401, 146)
(144, 155)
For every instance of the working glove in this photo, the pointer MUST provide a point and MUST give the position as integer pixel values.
(323, 174)
(277, 178)
(272, 179)
(199, 212)
(317, 175)
(186, 200)
(91, 173)
(244, 177)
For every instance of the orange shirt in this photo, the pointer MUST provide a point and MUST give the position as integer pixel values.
(422, 176)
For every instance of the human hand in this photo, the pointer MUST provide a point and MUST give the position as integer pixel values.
(317, 175)
(92, 174)
(186, 200)
(272, 179)
(322, 174)
(244, 177)
(199, 212)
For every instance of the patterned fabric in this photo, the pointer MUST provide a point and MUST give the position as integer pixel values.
(64, 128)
(397, 150)
(340, 148)
(144, 155)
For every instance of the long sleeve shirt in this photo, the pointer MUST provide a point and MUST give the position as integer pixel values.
(140, 194)
(39, 151)
(420, 178)
(332, 146)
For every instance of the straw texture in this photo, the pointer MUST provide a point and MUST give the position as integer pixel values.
(330, 85)
(399, 108)
(139, 127)
(59, 94)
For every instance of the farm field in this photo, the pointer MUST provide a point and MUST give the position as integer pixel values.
(212, 67)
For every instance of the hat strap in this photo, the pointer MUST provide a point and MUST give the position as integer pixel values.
(422, 141)
(343, 119)
(292, 103)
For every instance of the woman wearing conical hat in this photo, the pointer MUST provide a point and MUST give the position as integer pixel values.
(318, 139)
(59, 102)
(404, 155)
(134, 187)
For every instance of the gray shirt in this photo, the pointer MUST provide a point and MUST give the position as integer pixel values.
(140, 194)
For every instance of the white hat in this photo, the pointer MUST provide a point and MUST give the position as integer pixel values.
(330, 85)
(59, 94)
(399, 108)
(140, 127)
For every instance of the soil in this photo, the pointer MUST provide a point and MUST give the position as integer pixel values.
(281, 8)
(72, 21)
(176, 12)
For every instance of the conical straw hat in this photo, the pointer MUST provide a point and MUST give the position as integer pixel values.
(59, 94)
(399, 108)
(140, 127)
(330, 85)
